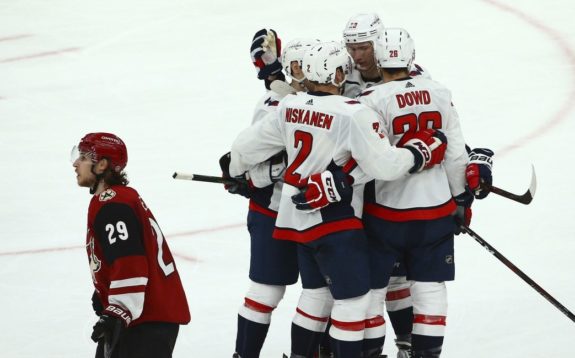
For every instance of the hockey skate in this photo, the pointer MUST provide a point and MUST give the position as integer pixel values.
(403, 344)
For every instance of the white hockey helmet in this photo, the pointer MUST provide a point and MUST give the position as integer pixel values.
(294, 51)
(321, 61)
(362, 28)
(395, 49)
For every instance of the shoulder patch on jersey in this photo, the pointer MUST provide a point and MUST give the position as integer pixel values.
(353, 102)
(108, 194)
(271, 102)
(365, 93)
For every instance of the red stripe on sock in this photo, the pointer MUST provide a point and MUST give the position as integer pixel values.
(397, 295)
(320, 319)
(374, 322)
(256, 306)
(349, 326)
(428, 319)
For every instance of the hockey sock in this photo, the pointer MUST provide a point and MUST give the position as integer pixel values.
(401, 320)
(304, 342)
(374, 337)
(250, 338)
(423, 343)
(325, 344)
(346, 348)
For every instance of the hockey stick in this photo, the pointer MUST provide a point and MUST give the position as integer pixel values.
(518, 272)
(526, 198)
(204, 178)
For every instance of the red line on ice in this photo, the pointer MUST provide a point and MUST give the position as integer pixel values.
(172, 236)
(15, 37)
(39, 54)
(569, 104)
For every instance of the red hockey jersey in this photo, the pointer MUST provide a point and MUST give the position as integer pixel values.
(132, 267)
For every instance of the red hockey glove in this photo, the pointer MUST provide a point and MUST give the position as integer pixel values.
(478, 172)
(428, 147)
(463, 213)
(323, 189)
(265, 52)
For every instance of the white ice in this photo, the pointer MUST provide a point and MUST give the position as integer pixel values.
(174, 79)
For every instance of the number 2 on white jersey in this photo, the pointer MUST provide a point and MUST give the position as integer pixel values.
(306, 141)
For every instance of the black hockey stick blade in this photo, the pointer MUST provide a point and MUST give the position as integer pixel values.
(525, 198)
(518, 272)
(204, 178)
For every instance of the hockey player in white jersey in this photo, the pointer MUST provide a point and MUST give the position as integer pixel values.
(359, 35)
(321, 130)
(273, 263)
(413, 217)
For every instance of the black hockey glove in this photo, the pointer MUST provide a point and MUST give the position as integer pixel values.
(97, 304)
(108, 328)
(237, 185)
(463, 213)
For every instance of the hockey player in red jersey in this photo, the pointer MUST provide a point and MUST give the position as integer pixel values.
(138, 293)
(320, 131)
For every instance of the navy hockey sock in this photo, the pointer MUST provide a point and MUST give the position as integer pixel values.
(346, 348)
(304, 342)
(373, 347)
(250, 337)
(402, 320)
(420, 343)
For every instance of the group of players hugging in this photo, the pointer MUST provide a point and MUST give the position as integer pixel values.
(358, 177)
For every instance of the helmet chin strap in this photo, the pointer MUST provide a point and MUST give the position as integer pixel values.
(99, 177)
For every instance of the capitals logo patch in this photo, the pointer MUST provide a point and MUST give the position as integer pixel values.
(108, 194)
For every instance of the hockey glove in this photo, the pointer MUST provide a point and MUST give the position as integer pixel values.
(478, 172)
(428, 147)
(270, 171)
(237, 185)
(323, 189)
(108, 328)
(265, 52)
(462, 214)
(97, 304)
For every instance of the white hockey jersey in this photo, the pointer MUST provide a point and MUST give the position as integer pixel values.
(318, 130)
(266, 195)
(406, 106)
(355, 83)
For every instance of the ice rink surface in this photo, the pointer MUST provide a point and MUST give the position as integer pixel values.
(174, 80)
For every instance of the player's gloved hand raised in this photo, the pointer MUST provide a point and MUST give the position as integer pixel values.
(462, 214)
(236, 185)
(323, 189)
(265, 52)
(108, 327)
(428, 147)
(478, 171)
